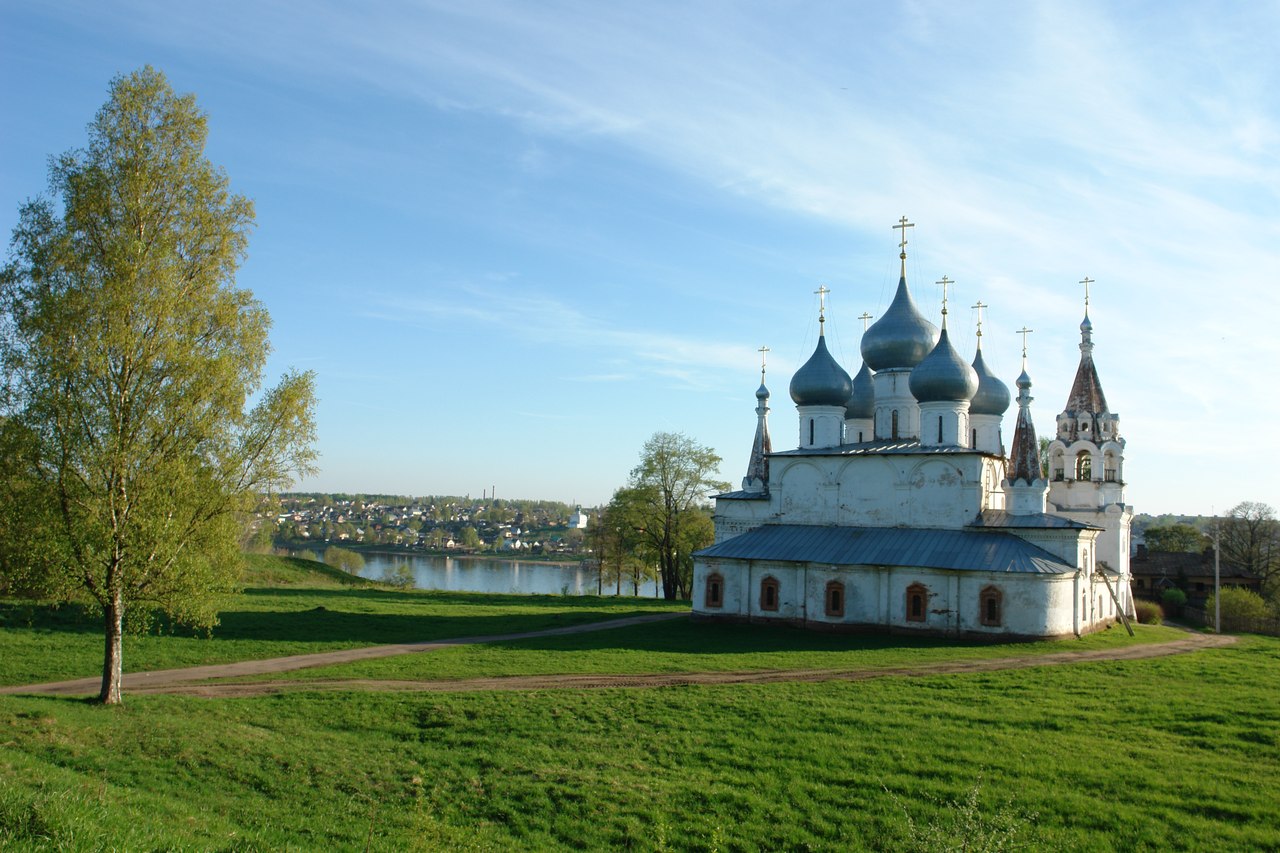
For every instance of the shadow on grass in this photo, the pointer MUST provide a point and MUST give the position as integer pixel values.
(707, 638)
(337, 623)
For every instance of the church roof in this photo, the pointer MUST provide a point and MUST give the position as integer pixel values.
(878, 447)
(998, 518)
(1086, 391)
(961, 550)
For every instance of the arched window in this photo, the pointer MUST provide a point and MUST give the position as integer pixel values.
(895, 423)
(1084, 465)
(835, 599)
(991, 607)
(917, 602)
(939, 429)
(769, 594)
(1109, 471)
(973, 438)
(1059, 465)
(810, 432)
(715, 591)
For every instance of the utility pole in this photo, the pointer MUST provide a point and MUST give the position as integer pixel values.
(1217, 578)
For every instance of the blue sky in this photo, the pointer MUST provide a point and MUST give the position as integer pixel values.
(515, 239)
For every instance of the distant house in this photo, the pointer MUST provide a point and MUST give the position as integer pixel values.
(578, 521)
(1155, 571)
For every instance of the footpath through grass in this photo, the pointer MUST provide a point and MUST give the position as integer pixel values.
(299, 607)
(1179, 753)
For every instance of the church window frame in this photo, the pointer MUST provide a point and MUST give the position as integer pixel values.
(811, 432)
(714, 593)
(991, 607)
(939, 429)
(916, 603)
(769, 594)
(894, 421)
(834, 600)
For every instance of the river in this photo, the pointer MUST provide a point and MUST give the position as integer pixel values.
(468, 574)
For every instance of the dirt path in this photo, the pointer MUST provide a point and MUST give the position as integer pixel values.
(180, 680)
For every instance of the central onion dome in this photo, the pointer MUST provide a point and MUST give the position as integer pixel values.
(993, 395)
(943, 376)
(902, 337)
(821, 381)
(862, 402)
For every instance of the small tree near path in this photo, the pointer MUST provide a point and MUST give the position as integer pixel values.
(129, 361)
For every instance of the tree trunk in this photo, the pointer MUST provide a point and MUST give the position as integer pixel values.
(112, 663)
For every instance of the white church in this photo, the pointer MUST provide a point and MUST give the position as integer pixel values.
(901, 511)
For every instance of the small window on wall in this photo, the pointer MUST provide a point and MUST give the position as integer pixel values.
(715, 591)
(991, 607)
(917, 602)
(895, 423)
(939, 429)
(769, 594)
(835, 599)
(811, 432)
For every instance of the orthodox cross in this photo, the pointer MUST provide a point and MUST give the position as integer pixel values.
(902, 226)
(1024, 331)
(944, 281)
(822, 292)
(764, 353)
(979, 306)
(1086, 281)
(865, 318)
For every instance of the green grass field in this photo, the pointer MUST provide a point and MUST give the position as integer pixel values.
(1172, 753)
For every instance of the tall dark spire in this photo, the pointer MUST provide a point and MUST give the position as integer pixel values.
(1024, 463)
(757, 479)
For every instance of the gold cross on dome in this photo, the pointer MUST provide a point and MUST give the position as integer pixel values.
(902, 226)
(979, 306)
(764, 353)
(944, 281)
(1086, 281)
(865, 318)
(1024, 331)
(822, 292)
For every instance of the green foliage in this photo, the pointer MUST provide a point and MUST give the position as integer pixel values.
(343, 559)
(1176, 537)
(969, 824)
(130, 356)
(668, 495)
(1241, 609)
(1149, 613)
(1173, 600)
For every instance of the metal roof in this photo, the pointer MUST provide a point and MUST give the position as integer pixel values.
(881, 447)
(963, 550)
(1040, 520)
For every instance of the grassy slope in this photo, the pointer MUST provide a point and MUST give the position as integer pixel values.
(303, 611)
(1175, 753)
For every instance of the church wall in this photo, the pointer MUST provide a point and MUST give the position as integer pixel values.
(1030, 605)
(734, 517)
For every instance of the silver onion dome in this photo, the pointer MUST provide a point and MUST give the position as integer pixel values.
(993, 395)
(943, 375)
(821, 381)
(862, 402)
(902, 337)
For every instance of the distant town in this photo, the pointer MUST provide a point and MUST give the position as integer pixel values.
(432, 523)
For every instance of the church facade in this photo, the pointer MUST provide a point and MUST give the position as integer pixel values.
(900, 510)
